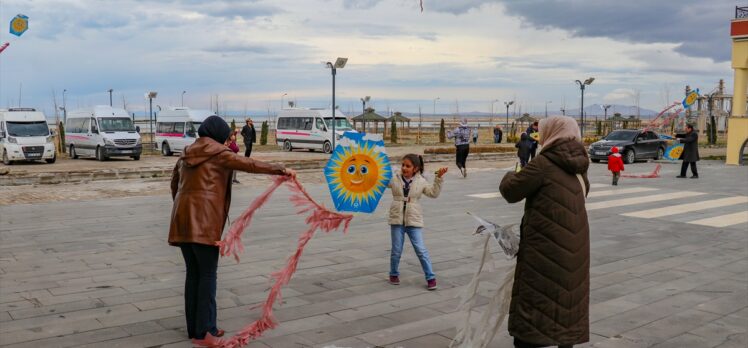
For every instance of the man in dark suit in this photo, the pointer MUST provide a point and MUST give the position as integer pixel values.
(250, 137)
(690, 154)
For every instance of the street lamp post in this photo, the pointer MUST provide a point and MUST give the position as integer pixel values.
(183, 92)
(563, 111)
(284, 94)
(606, 107)
(546, 107)
(339, 64)
(507, 104)
(490, 121)
(64, 107)
(110, 96)
(150, 95)
(586, 82)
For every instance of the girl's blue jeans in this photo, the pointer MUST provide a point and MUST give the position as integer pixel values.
(398, 233)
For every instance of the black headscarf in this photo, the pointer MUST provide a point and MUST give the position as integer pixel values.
(215, 128)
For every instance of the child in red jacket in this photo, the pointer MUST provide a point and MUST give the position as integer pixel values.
(615, 164)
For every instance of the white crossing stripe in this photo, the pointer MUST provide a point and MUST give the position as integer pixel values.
(486, 195)
(723, 220)
(688, 207)
(620, 191)
(643, 199)
(599, 185)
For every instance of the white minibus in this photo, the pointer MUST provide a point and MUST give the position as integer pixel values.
(24, 136)
(177, 128)
(309, 129)
(101, 132)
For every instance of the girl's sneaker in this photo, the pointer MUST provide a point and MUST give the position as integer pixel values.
(394, 280)
(431, 285)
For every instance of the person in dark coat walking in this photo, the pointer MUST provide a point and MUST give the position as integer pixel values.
(690, 154)
(497, 134)
(524, 148)
(550, 296)
(530, 130)
(250, 137)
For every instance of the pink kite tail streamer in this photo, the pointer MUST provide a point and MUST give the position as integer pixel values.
(4, 46)
(232, 242)
(319, 218)
(654, 174)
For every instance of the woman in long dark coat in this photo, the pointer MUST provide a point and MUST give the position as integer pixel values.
(550, 297)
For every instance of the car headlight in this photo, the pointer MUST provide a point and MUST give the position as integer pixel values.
(108, 141)
(137, 142)
(50, 139)
(12, 140)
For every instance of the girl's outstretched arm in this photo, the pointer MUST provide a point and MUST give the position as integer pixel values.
(433, 190)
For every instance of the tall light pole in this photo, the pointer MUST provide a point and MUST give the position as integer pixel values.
(183, 92)
(364, 100)
(490, 121)
(606, 107)
(284, 94)
(546, 107)
(151, 95)
(581, 84)
(110, 96)
(339, 64)
(507, 104)
(64, 107)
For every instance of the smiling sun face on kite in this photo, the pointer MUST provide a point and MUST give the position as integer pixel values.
(358, 175)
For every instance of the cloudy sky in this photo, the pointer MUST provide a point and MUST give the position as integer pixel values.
(250, 52)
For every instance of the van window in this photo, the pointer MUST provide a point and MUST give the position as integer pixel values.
(28, 129)
(192, 128)
(86, 125)
(165, 127)
(116, 124)
(306, 123)
(282, 123)
(320, 124)
(179, 127)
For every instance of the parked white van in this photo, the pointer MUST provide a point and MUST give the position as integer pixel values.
(309, 129)
(177, 128)
(24, 136)
(102, 132)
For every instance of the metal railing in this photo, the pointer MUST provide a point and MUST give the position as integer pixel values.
(741, 12)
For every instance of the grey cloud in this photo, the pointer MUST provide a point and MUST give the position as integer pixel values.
(701, 28)
(360, 4)
(242, 10)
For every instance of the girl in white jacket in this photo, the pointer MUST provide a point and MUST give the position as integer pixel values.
(406, 216)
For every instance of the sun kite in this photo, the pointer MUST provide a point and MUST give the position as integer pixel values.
(357, 176)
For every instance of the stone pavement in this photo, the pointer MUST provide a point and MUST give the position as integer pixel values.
(98, 273)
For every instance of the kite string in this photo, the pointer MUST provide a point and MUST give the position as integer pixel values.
(319, 218)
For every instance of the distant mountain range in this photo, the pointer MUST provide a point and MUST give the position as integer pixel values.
(590, 111)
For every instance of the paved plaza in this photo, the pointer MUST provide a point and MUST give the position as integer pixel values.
(669, 267)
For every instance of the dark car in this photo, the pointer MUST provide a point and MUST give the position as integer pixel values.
(633, 144)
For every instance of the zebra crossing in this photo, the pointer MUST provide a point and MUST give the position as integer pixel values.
(692, 207)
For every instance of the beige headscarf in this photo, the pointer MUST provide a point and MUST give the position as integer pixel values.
(557, 128)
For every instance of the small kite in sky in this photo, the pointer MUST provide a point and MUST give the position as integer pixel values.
(19, 24)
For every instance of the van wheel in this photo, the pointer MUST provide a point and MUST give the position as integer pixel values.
(327, 148)
(6, 160)
(287, 146)
(165, 149)
(100, 154)
(595, 160)
(136, 158)
(73, 154)
(51, 160)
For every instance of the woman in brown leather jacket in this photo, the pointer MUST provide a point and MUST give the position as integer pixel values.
(201, 189)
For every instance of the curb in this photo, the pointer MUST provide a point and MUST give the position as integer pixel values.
(51, 178)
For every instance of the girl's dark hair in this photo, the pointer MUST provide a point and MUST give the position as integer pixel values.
(417, 161)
